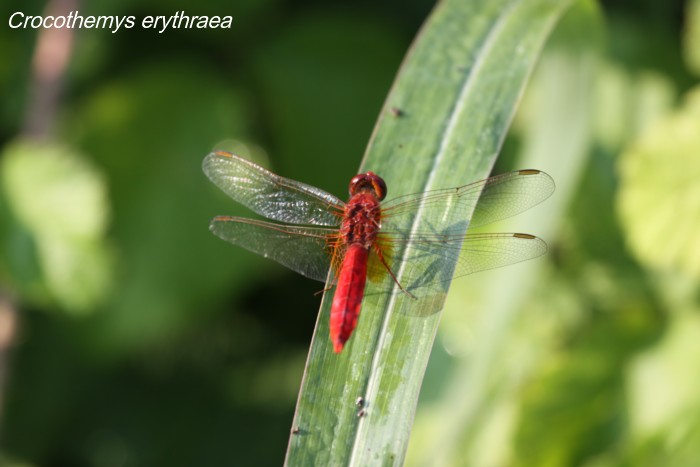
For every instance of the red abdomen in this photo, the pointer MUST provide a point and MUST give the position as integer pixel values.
(348, 295)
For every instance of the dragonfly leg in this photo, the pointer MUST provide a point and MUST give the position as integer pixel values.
(378, 250)
(326, 289)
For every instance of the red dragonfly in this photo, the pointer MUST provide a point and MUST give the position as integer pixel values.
(366, 237)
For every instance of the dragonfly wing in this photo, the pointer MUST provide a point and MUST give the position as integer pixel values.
(491, 200)
(270, 195)
(429, 260)
(511, 193)
(306, 250)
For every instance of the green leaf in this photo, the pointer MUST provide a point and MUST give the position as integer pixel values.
(691, 38)
(493, 340)
(57, 211)
(659, 194)
(663, 402)
(442, 125)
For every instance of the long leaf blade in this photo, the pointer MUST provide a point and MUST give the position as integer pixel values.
(442, 125)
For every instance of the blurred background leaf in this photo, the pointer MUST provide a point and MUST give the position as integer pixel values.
(56, 212)
(129, 336)
(659, 173)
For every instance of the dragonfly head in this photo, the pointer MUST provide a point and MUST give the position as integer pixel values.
(368, 182)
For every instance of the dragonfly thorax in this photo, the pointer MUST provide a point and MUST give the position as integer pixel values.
(361, 220)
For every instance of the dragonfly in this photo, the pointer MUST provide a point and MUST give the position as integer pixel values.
(366, 238)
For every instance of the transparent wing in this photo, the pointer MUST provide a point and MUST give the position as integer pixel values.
(270, 195)
(429, 260)
(492, 199)
(306, 250)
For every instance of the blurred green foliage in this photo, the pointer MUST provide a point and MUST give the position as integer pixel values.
(56, 212)
(142, 340)
(594, 366)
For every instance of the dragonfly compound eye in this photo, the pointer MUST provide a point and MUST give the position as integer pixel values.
(368, 182)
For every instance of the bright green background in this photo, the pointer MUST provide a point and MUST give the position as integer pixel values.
(143, 340)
